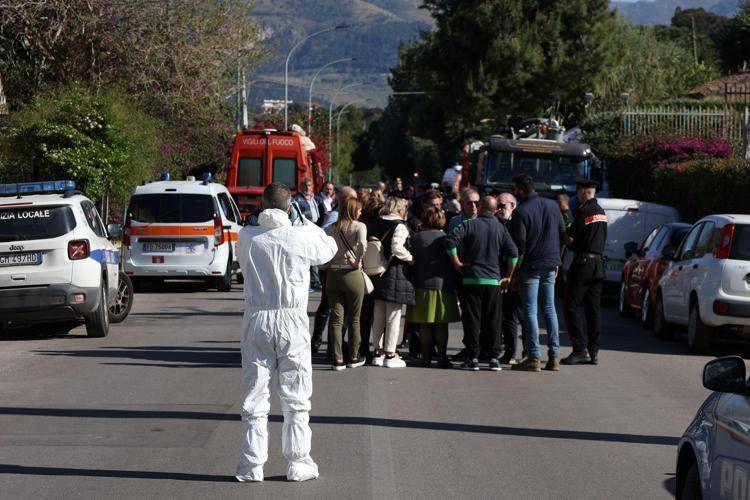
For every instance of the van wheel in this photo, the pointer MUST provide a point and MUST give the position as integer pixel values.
(699, 335)
(97, 322)
(623, 307)
(224, 284)
(662, 329)
(124, 301)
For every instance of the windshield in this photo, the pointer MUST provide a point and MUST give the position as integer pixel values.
(502, 167)
(38, 223)
(171, 208)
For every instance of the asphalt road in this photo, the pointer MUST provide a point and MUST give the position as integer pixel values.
(151, 411)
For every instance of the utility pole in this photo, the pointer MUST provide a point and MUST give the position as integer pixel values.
(695, 41)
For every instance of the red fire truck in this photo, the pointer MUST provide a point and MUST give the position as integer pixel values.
(260, 157)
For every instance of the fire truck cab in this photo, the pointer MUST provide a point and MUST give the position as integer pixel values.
(260, 157)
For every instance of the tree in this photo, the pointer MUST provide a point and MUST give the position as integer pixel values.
(103, 142)
(734, 41)
(177, 58)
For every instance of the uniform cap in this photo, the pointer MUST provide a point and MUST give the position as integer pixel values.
(583, 182)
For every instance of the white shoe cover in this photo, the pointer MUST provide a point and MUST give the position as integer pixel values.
(302, 470)
(254, 475)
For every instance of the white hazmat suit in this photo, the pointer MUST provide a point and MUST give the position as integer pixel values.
(275, 258)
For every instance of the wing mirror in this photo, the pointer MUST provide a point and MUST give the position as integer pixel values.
(726, 374)
(631, 247)
(114, 231)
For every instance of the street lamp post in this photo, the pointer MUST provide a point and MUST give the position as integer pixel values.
(330, 122)
(286, 68)
(338, 127)
(312, 82)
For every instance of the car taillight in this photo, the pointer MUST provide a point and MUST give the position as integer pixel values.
(78, 249)
(126, 232)
(725, 242)
(218, 231)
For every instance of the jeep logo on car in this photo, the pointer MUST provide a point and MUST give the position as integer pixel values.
(15, 248)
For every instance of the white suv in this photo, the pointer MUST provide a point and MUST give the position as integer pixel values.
(707, 284)
(56, 261)
(181, 230)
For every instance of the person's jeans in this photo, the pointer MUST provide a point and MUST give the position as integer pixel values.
(536, 286)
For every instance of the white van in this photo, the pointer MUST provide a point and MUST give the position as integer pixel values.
(181, 229)
(629, 221)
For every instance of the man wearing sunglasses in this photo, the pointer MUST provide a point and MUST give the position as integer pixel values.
(469, 209)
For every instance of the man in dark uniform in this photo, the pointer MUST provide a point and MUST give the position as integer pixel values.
(586, 237)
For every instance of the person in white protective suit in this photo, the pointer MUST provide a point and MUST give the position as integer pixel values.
(275, 258)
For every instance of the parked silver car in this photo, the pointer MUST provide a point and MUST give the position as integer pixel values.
(713, 457)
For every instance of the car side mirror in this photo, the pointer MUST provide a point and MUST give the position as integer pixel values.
(726, 374)
(114, 231)
(631, 247)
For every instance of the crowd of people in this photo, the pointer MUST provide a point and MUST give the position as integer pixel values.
(374, 252)
(486, 261)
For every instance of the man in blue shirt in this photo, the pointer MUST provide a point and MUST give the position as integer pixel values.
(538, 230)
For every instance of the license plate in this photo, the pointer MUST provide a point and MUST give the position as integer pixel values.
(159, 246)
(20, 259)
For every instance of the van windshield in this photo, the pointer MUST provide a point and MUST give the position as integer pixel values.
(172, 208)
(740, 243)
(37, 223)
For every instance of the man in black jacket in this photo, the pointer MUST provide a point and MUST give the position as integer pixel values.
(539, 231)
(485, 248)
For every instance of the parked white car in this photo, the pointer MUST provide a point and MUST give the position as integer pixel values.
(707, 284)
(629, 221)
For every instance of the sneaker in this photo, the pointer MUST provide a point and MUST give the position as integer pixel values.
(577, 358)
(594, 357)
(528, 365)
(506, 359)
(394, 362)
(338, 366)
(460, 355)
(356, 363)
(378, 360)
(495, 365)
(315, 346)
(471, 365)
(553, 365)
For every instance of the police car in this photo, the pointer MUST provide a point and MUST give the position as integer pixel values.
(56, 261)
(713, 456)
(181, 230)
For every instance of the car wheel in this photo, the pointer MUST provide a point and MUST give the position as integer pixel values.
(623, 307)
(224, 284)
(699, 335)
(691, 490)
(662, 329)
(97, 322)
(124, 301)
(647, 314)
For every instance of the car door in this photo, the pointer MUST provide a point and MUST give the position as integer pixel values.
(231, 214)
(102, 249)
(674, 286)
(702, 268)
(730, 461)
(642, 258)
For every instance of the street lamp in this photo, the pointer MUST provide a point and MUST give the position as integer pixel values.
(286, 68)
(309, 97)
(330, 121)
(338, 129)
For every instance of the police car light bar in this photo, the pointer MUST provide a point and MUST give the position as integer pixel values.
(42, 187)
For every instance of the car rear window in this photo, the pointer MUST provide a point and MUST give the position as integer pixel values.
(171, 208)
(740, 243)
(35, 223)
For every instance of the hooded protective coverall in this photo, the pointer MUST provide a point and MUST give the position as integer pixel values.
(275, 258)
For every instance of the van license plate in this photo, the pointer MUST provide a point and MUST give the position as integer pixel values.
(159, 246)
(20, 259)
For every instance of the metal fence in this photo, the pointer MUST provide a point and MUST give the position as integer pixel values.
(711, 121)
